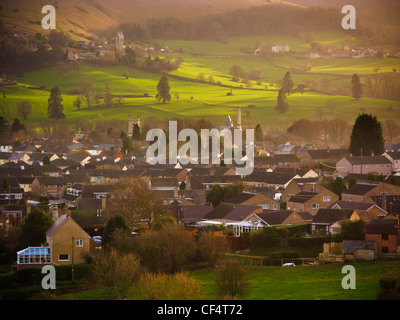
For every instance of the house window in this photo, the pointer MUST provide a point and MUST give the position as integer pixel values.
(384, 193)
(264, 206)
(63, 257)
(315, 205)
(326, 198)
(275, 206)
(385, 237)
(79, 242)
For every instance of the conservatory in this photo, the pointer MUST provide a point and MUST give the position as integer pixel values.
(34, 255)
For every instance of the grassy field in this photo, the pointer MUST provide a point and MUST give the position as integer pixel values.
(291, 283)
(208, 99)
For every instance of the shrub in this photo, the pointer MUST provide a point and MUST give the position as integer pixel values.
(231, 279)
(160, 286)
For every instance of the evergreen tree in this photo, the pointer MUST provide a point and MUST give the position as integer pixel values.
(126, 145)
(356, 87)
(287, 84)
(55, 108)
(258, 133)
(107, 96)
(34, 228)
(367, 136)
(17, 126)
(163, 90)
(77, 103)
(136, 135)
(282, 105)
(286, 89)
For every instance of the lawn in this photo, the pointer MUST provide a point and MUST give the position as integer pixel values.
(320, 282)
(210, 99)
(309, 282)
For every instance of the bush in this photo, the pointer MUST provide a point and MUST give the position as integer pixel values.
(388, 290)
(307, 242)
(231, 279)
(160, 286)
(264, 238)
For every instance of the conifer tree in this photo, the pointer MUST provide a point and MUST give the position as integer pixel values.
(55, 108)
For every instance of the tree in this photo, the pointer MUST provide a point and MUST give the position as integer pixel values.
(258, 133)
(286, 89)
(107, 96)
(33, 229)
(135, 201)
(287, 84)
(367, 136)
(163, 90)
(231, 279)
(24, 109)
(353, 230)
(17, 126)
(77, 103)
(55, 108)
(126, 145)
(236, 72)
(338, 186)
(356, 87)
(281, 105)
(211, 247)
(112, 268)
(115, 230)
(219, 194)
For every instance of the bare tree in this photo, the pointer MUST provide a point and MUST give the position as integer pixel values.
(135, 201)
(112, 268)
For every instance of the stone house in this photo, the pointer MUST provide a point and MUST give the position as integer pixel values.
(311, 201)
(67, 241)
(385, 232)
(360, 192)
(311, 158)
(379, 165)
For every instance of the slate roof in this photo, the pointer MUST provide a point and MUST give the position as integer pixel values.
(368, 160)
(382, 226)
(350, 246)
(360, 188)
(195, 213)
(57, 225)
(302, 196)
(328, 216)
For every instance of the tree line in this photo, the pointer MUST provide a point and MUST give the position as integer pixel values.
(255, 21)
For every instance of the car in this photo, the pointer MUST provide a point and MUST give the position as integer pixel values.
(289, 264)
(97, 239)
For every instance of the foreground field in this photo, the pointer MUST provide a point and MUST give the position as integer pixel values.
(290, 283)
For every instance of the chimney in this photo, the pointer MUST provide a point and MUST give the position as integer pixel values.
(384, 205)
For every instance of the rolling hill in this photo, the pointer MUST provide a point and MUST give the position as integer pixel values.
(79, 18)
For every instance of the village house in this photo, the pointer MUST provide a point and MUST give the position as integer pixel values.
(385, 232)
(253, 199)
(262, 178)
(301, 184)
(379, 165)
(67, 241)
(311, 201)
(311, 158)
(394, 158)
(49, 186)
(360, 192)
(370, 208)
(270, 218)
(325, 218)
